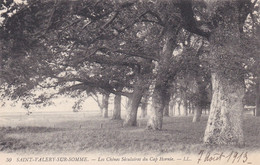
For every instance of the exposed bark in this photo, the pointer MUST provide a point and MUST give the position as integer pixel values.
(132, 107)
(224, 125)
(156, 115)
(141, 85)
(117, 108)
(134, 101)
(164, 78)
(225, 120)
(105, 105)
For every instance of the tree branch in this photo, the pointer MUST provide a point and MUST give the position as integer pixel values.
(97, 101)
(130, 53)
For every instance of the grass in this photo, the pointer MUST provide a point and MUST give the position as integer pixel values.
(179, 134)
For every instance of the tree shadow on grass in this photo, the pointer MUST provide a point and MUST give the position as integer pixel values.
(13, 144)
(7, 130)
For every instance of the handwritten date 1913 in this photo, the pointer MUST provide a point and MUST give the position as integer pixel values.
(232, 157)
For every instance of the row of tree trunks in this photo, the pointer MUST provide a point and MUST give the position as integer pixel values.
(103, 105)
(225, 120)
(178, 108)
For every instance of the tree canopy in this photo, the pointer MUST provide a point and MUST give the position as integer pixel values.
(127, 48)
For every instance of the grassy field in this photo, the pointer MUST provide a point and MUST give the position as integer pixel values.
(81, 133)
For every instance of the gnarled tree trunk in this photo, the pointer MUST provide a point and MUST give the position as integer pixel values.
(156, 114)
(140, 87)
(224, 125)
(165, 76)
(133, 104)
(225, 120)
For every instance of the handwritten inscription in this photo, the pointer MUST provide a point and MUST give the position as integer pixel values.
(231, 157)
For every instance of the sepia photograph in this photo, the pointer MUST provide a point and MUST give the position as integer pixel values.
(129, 82)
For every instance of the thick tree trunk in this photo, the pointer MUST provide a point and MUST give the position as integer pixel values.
(105, 105)
(140, 87)
(224, 125)
(133, 104)
(165, 76)
(225, 120)
(117, 107)
(156, 115)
